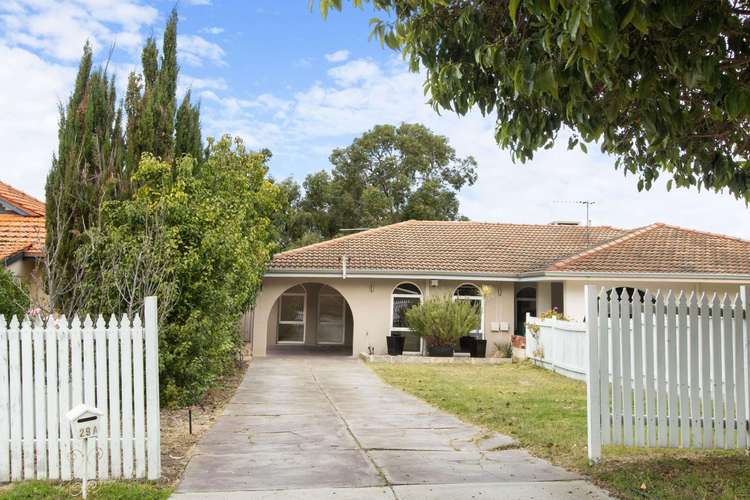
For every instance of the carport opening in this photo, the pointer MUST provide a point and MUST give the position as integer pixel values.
(310, 318)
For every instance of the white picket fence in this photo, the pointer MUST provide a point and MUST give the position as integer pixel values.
(46, 369)
(671, 372)
(560, 346)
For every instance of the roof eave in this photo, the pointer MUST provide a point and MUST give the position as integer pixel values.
(510, 277)
(387, 274)
(641, 276)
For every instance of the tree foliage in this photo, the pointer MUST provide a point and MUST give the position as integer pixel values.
(198, 236)
(14, 298)
(98, 154)
(663, 85)
(388, 174)
(85, 171)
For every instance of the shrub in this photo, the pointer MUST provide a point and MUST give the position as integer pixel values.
(13, 297)
(442, 321)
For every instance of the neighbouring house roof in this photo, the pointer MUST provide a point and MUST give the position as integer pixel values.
(22, 229)
(15, 201)
(432, 248)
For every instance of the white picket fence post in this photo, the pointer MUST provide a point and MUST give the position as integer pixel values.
(46, 369)
(678, 376)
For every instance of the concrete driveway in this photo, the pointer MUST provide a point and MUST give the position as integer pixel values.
(328, 427)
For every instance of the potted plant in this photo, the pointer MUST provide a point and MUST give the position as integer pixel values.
(395, 343)
(441, 322)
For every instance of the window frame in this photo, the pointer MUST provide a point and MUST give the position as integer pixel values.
(332, 293)
(479, 297)
(288, 322)
(405, 329)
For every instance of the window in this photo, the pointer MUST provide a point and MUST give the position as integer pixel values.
(404, 297)
(473, 295)
(331, 316)
(292, 316)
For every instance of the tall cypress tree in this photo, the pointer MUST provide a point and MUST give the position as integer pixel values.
(155, 125)
(85, 171)
(188, 130)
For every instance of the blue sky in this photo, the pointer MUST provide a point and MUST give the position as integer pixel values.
(282, 78)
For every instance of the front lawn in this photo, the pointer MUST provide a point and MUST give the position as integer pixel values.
(112, 490)
(546, 413)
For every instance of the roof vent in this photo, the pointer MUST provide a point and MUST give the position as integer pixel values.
(564, 223)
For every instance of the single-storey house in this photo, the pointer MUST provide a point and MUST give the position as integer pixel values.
(352, 292)
(22, 234)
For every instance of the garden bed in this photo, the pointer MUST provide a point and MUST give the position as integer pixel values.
(456, 359)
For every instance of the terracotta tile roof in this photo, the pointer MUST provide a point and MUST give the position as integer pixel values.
(18, 199)
(477, 248)
(448, 247)
(660, 248)
(21, 234)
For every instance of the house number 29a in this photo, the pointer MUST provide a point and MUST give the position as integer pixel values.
(87, 432)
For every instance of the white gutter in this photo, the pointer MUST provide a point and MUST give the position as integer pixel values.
(527, 277)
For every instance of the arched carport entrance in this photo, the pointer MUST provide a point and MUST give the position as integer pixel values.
(310, 318)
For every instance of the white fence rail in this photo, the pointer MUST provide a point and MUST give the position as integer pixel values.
(669, 372)
(560, 346)
(46, 369)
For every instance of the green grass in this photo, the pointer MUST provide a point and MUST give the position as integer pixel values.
(546, 413)
(114, 490)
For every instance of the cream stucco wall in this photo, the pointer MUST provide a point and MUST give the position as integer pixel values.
(574, 300)
(370, 304)
(26, 271)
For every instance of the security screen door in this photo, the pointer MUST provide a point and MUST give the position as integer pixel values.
(331, 309)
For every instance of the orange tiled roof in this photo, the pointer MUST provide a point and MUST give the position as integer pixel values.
(21, 234)
(453, 247)
(660, 248)
(476, 248)
(18, 199)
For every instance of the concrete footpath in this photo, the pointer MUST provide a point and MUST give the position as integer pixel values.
(327, 427)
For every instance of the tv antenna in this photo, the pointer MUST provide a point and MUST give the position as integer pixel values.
(588, 204)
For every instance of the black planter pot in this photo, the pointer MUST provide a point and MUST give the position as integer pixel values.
(479, 349)
(441, 351)
(467, 343)
(395, 344)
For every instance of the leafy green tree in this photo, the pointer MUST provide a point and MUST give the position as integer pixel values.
(387, 175)
(85, 171)
(662, 85)
(198, 236)
(14, 298)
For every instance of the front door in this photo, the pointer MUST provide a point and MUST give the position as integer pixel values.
(331, 318)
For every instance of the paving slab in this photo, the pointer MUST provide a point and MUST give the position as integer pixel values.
(553, 490)
(423, 467)
(328, 427)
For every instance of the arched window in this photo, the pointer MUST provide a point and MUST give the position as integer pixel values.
(525, 303)
(404, 297)
(291, 329)
(473, 295)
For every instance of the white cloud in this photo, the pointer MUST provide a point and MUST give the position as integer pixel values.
(30, 90)
(338, 56)
(198, 2)
(60, 28)
(195, 50)
(213, 30)
(354, 71)
(361, 94)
